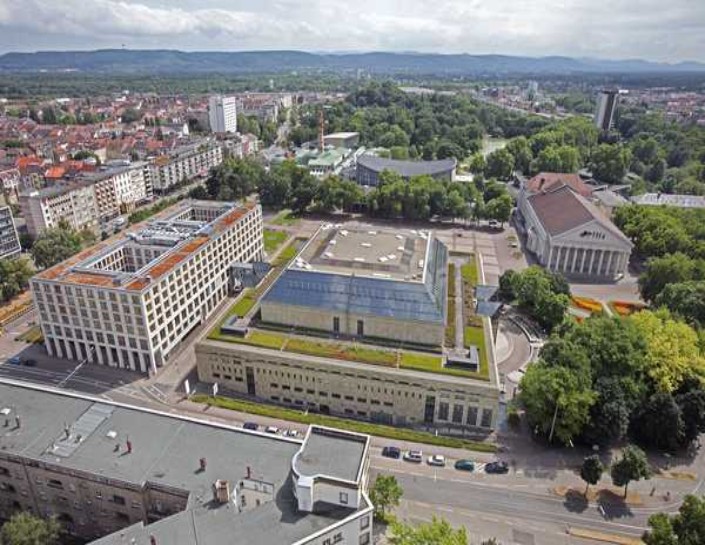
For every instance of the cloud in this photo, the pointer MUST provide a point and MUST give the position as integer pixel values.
(604, 28)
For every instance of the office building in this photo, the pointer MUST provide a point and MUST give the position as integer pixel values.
(222, 114)
(365, 283)
(72, 202)
(183, 164)
(9, 241)
(119, 475)
(606, 106)
(128, 301)
(369, 167)
(342, 139)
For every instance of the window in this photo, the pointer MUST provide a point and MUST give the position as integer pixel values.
(486, 418)
(118, 499)
(343, 498)
(471, 417)
(360, 328)
(443, 411)
(457, 414)
(336, 324)
(365, 538)
(54, 483)
(364, 523)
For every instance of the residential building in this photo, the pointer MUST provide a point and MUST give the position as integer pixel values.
(568, 234)
(128, 301)
(186, 163)
(9, 241)
(369, 168)
(342, 139)
(10, 181)
(222, 114)
(72, 202)
(378, 284)
(119, 189)
(606, 106)
(117, 475)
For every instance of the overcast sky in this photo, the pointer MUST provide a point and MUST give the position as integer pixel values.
(671, 30)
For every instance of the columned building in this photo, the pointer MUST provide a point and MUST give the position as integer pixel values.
(568, 234)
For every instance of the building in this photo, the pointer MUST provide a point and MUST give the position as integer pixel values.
(369, 168)
(342, 139)
(72, 202)
(568, 234)
(128, 301)
(118, 475)
(119, 189)
(322, 164)
(606, 105)
(222, 114)
(186, 163)
(371, 288)
(9, 241)
(378, 284)
(10, 182)
(663, 199)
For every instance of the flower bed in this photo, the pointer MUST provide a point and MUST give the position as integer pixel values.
(625, 308)
(587, 303)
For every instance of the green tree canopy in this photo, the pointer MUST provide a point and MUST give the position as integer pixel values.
(385, 493)
(26, 529)
(632, 466)
(685, 528)
(55, 245)
(591, 471)
(437, 532)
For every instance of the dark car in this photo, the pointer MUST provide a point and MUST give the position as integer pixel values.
(497, 467)
(250, 426)
(465, 465)
(30, 362)
(391, 452)
(15, 360)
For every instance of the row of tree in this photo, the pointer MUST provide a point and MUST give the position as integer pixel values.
(608, 378)
(56, 244)
(14, 277)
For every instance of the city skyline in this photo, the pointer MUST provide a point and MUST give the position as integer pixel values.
(607, 30)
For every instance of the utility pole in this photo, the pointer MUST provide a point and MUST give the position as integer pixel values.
(553, 423)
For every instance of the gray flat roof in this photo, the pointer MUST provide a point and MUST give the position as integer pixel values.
(166, 450)
(315, 458)
(407, 169)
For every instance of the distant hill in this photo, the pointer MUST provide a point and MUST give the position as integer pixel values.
(172, 61)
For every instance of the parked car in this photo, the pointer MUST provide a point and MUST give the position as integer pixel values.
(250, 426)
(15, 360)
(391, 452)
(437, 460)
(272, 429)
(291, 433)
(415, 456)
(497, 467)
(29, 362)
(465, 465)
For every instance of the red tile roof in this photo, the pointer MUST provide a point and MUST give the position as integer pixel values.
(549, 181)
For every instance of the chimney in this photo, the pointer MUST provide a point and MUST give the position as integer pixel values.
(18, 422)
(221, 491)
(202, 463)
(129, 446)
(152, 540)
(249, 472)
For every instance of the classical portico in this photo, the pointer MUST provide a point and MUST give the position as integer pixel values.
(569, 235)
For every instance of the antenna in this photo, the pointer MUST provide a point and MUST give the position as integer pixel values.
(321, 124)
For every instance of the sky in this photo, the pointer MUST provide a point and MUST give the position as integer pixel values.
(658, 30)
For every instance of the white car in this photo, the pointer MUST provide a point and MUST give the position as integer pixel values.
(415, 456)
(291, 433)
(437, 460)
(272, 429)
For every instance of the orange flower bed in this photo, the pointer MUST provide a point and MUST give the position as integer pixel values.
(586, 303)
(625, 308)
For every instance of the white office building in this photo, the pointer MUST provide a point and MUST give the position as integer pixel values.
(222, 114)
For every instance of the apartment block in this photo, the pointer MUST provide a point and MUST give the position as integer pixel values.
(166, 171)
(222, 114)
(9, 241)
(128, 301)
(116, 475)
(72, 202)
(119, 190)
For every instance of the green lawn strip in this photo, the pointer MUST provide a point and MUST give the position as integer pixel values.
(273, 239)
(254, 338)
(342, 352)
(451, 280)
(244, 304)
(292, 415)
(434, 364)
(286, 255)
(285, 218)
(450, 323)
(469, 272)
(475, 335)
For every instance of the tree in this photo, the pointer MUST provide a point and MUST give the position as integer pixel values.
(26, 529)
(537, 292)
(199, 193)
(521, 151)
(632, 466)
(500, 164)
(506, 286)
(685, 528)
(609, 163)
(685, 299)
(436, 532)
(499, 209)
(385, 493)
(55, 245)
(477, 164)
(659, 423)
(14, 276)
(591, 471)
(609, 416)
(557, 401)
(130, 115)
(691, 400)
(661, 271)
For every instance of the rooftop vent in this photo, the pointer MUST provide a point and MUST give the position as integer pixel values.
(221, 491)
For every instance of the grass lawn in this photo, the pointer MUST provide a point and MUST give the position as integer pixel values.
(264, 339)
(475, 335)
(450, 328)
(244, 304)
(422, 362)
(292, 415)
(285, 218)
(286, 255)
(469, 272)
(273, 239)
(342, 352)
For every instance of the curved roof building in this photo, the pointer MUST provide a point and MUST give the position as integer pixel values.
(370, 166)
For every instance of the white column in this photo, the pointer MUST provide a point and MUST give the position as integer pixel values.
(575, 258)
(550, 255)
(623, 263)
(613, 263)
(582, 261)
(599, 263)
(592, 261)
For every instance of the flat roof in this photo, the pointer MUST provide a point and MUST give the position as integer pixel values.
(315, 459)
(397, 255)
(166, 450)
(178, 239)
(407, 169)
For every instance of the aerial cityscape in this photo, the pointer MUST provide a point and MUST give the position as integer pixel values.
(295, 273)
